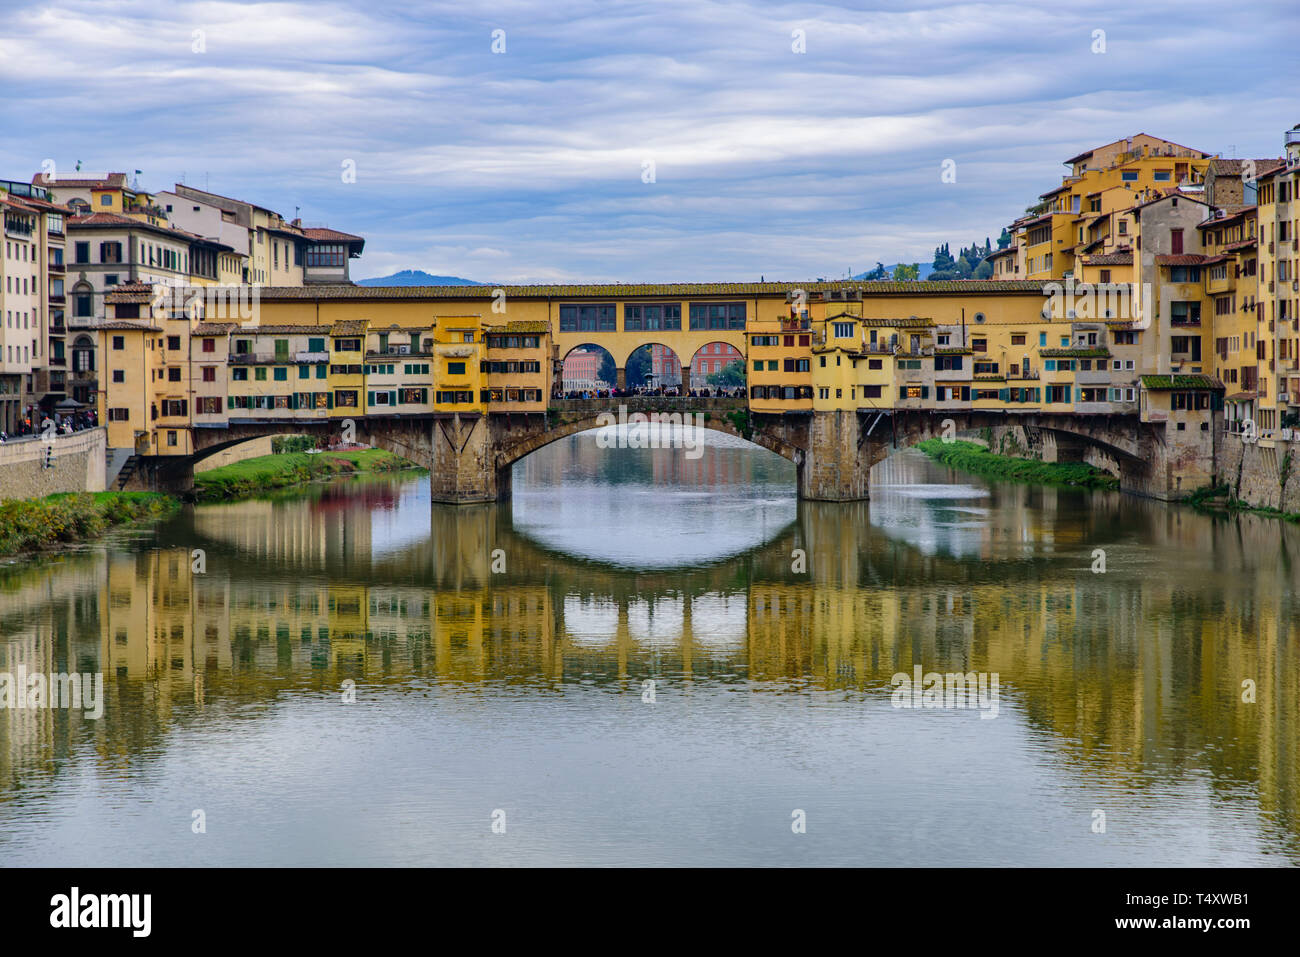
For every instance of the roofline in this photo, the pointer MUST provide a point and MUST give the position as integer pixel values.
(354, 293)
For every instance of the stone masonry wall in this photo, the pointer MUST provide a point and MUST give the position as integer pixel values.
(79, 463)
(1262, 475)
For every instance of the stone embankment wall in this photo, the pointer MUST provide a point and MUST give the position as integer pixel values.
(78, 464)
(1263, 474)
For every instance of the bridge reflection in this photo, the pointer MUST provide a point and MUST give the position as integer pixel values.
(1135, 674)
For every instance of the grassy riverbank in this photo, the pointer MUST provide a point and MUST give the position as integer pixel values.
(268, 472)
(970, 457)
(1220, 500)
(30, 524)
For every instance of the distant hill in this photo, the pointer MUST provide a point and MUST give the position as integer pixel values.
(924, 270)
(417, 277)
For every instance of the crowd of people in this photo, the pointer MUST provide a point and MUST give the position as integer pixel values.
(657, 391)
(35, 422)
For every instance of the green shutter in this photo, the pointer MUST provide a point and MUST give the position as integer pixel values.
(392, 397)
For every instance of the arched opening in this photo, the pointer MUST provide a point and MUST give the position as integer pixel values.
(718, 367)
(588, 370)
(653, 369)
(83, 301)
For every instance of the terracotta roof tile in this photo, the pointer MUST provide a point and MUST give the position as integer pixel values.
(664, 290)
(350, 327)
(322, 234)
(1110, 259)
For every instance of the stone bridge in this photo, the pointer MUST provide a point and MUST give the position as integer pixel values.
(469, 456)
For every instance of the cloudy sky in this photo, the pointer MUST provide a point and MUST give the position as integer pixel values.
(529, 162)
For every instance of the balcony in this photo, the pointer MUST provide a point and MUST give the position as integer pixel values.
(57, 269)
(311, 357)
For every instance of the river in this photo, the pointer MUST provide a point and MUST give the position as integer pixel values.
(656, 660)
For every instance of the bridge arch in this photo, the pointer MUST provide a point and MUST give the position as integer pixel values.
(712, 357)
(721, 420)
(587, 367)
(653, 363)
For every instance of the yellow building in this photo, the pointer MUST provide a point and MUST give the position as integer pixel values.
(519, 366)
(458, 357)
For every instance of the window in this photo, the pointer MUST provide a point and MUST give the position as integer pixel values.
(1018, 339)
(119, 375)
(239, 375)
(209, 373)
(174, 374)
(347, 345)
(717, 315)
(979, 345)
(259, 374)
(110, 252)
(650, 317)
(173, 343)
(210, 405)
(455, 368)
(119, 343)
(281, 374)
(209, 345)
(324, 254)
(1129, 176)
(843, 330)
(588, 318)
(1161, 175)
(81, 253)
(119, 415)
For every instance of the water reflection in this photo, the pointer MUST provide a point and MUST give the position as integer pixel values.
(1120, 690)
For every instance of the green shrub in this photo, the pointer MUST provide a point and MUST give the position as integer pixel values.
(970, 457)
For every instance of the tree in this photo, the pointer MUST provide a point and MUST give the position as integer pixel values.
(638, 367)
(607, 371)
(983, 271)
(905, 273)
(943, 261)
(732, 376)
(880, 272)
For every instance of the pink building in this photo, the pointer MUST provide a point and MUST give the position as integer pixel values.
(582, 371)
(714, 357)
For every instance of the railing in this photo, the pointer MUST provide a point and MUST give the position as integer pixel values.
(393, 353)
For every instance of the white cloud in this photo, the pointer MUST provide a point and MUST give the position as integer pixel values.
(528, 165)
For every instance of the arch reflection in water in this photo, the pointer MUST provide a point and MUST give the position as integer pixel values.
(652, 508)
(1122, 688)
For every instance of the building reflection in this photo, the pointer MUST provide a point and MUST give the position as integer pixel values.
(1136, 674)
